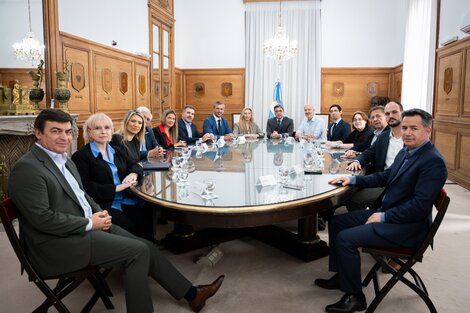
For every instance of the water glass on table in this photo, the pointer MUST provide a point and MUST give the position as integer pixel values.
(209, 187)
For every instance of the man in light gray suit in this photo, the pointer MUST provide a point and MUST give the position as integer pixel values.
(63, 229)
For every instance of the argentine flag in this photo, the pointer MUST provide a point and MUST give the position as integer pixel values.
(277, 98)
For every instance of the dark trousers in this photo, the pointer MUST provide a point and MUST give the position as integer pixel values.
(347, 232)
(142, 219)
(139, 258)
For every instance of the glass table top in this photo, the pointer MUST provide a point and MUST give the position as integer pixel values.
(246, 176)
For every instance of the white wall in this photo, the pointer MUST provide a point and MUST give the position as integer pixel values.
(209, 34)
(102, 21)
(363, 33)
(454, 15)
(13, 28)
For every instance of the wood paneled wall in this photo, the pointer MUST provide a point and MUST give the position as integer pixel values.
(451, 131)
(106, 90)
(187, 79)
(9, 75)
(353, 88)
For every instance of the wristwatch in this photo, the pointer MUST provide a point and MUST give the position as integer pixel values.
(337, 145)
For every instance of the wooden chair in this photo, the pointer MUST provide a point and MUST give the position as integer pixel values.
(66, 282)
(406, 258)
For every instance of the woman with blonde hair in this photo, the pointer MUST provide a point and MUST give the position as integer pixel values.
(167, 132)
(246, 126)
(130, 135)
(107, 173)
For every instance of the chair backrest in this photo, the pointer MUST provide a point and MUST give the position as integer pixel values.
(8, 215)
(441, 203)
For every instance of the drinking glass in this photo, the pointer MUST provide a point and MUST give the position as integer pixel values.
(183, 177)
(308, 165)
(283, 173)
(209, 187)
(185, 153)
(176, 162)
(199, 144)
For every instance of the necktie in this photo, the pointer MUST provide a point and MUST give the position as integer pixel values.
(218, 125)
(332, 128)
(278, 124)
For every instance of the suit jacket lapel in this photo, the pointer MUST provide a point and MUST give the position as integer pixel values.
(403, 168)
(52, 167)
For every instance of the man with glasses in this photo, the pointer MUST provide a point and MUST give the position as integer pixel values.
(150, 146)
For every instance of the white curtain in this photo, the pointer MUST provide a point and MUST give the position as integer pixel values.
(420, 47)
(300, 76)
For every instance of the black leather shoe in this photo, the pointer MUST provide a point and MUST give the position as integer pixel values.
(349, 303)
(332, 283)
(204, 292)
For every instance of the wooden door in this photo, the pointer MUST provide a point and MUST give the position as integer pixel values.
(162, 67)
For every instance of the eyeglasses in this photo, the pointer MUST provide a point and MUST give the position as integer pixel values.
(100, 128)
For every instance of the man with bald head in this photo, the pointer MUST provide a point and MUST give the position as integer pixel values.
(312, 127)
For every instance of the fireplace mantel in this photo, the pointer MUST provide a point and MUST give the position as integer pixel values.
(23, 125)
(16, 138)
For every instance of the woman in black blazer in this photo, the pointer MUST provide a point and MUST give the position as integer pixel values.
(129, 136)
(361, 136)
(107, 173)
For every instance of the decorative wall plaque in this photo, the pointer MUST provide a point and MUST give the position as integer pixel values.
(448, 76)
(199, 90)
(166, 89)
(142, 85)
(123, 82)
(107, 80)
(372, 88)
(226, 89)
(78, 76)
(338, 89)
(157, 88)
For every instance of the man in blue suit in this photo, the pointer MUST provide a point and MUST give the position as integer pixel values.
(401, 216)
(339, 129)
(216, 124)
(187, 131)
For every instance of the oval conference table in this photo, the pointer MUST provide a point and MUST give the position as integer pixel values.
(245, 202)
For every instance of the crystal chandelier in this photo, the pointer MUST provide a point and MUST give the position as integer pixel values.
(29, 49)
(279, 47)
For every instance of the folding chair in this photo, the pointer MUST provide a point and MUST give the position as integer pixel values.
(406, 258)
(66, 282)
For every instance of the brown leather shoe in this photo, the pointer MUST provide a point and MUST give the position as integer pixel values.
(204, 292)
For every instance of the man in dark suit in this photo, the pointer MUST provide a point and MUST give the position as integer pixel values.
(339, 129)
(150, 146)
(216, 124)
(187, 131)
(279, 124)
(378, 157)
(401, 216)
(63, 229)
